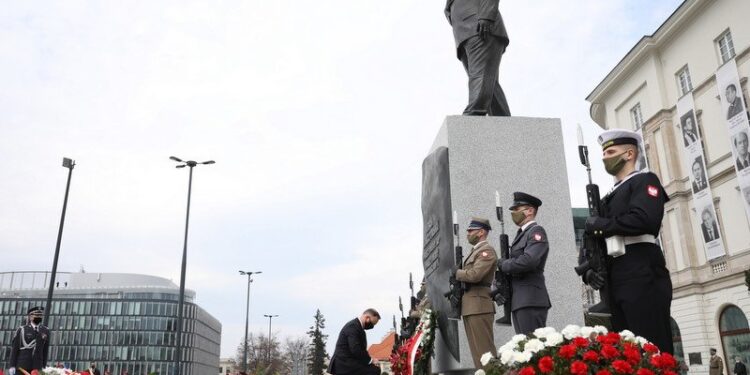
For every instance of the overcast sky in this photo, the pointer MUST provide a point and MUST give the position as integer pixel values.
(318, 114)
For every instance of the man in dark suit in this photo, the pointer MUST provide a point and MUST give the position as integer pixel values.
(528, 256)
(481, 39)
(350, 356)
(699, 177)
(735, 103)
(709, 227)
(30, 345)
(743, 156)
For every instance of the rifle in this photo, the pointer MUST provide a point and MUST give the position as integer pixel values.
(593, 252)
(502, 281)
(456, 289)
(414, 300)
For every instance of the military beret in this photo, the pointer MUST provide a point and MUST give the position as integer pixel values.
(615, 137)
(479, 223)
(523, 199)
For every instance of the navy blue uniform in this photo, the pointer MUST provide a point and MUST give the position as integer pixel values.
(29, 348)
(639, 283)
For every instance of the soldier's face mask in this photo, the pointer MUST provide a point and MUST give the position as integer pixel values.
(36, 319)
(518, 216)
(614, 164)
(473, 237)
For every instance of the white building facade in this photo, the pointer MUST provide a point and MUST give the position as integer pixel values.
(711, 301)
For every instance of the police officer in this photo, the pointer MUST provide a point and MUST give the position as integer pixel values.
(30, 344)
(631, 215)
(528, 256)
(477, 273)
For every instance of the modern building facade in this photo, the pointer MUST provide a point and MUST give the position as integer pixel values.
(681, 62)
(124, 322)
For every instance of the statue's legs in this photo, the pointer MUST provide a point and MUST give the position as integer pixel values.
(481, 59)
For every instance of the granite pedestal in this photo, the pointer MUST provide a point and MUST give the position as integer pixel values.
(484, 155)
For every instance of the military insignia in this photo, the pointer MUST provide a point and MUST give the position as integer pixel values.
(653, 191)
(485, 254)
(537, 237)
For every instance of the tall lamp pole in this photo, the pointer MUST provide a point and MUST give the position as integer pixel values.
(178, 349)
(247, 311)
(67, 163)
(270, 317)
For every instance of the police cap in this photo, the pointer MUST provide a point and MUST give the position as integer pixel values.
(479, 223)
(36, 310)
(523, 199)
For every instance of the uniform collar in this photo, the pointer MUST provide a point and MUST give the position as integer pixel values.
(527, 225)
(479, 244)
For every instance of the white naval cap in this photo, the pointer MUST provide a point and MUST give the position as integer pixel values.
(614, 137)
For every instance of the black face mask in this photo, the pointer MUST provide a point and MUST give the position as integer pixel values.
(36, 320)
(369, 325)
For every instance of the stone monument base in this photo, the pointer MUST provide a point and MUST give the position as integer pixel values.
(507, 154)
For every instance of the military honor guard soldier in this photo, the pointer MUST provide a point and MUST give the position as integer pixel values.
(477, 273)
(640, 287)
(30, 344)
(528, 256)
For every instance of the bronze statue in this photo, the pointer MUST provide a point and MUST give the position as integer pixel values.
(481, 40)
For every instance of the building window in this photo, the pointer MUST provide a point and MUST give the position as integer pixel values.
(683, 81)
(735, 334)
(725, 46)
(636, 116)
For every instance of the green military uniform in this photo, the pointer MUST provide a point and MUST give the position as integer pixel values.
(477, 307)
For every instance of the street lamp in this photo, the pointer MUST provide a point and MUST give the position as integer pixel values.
(67, 163)
(270, 317)
(247, 311)
(178, 351)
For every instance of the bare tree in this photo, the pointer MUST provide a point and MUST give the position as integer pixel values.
(295, 355)
(257, 355)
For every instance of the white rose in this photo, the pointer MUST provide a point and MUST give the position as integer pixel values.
(518, 338)
(506, 357)
(509, 346)
(533, 346)
(479, 372)
(641, 341)
(543, 332)
(587, 331)
(570, 331)
(602, 330)
(485, 359)
(522, 357)
(554, 339)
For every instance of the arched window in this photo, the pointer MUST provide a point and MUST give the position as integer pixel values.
(735, 335)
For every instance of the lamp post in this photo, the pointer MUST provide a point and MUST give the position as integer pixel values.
(270, 317)
(67, 163)
(247, 311)
(180, 313)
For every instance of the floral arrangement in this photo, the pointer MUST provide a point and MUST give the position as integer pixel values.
(578, 351)
(413, 355)
(56, 371)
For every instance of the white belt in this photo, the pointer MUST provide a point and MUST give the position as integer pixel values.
(616, 244)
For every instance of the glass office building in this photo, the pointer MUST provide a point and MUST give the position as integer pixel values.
(123, 322)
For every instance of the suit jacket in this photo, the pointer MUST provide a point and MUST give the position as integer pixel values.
(715, 366)
(734, 108)
(477, 272)
(689, 138)
(698, 187)
(29, 348)
(528, 256)
(464, 16)
(741, 164)
(705, 232)
(740, 369)
(350, 355)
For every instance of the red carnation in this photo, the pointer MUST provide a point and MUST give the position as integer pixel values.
(609, 351)
(663, 361)
(546, 364)
(567, 351)
(579, 368)
(622, 367)
(528, 370)
(650, 348)
(603, 372)
(632, 355)
(644, 371)
(580, 342)
(591, 356)
(669, 372)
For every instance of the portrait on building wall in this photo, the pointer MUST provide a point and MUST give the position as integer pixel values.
(708, 224)
(740, 143)
(734, 100)
(700, 182)
(746, 195)
(689, 128)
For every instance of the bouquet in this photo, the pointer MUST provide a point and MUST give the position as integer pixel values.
(412, 356)
(579, 351)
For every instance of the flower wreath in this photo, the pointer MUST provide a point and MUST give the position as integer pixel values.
(412, 356)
